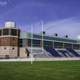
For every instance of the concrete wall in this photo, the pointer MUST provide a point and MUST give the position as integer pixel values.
(22, 53)
(11, 51)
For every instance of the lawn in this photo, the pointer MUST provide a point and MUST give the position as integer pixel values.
(55, 70)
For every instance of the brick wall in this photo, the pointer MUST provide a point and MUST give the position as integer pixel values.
(8, 41)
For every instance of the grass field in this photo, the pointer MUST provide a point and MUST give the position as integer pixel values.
(55, 70)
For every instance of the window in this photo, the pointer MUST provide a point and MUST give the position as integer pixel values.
(76, 46)
(35, 43)
(48, 44)
(5, 31)
(67, 45)
(13, 32)
(29, 42)
(58, 45)
(20, 42)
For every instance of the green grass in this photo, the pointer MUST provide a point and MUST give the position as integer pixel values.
(55, 70)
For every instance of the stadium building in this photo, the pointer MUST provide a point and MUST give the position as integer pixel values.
(17, 44)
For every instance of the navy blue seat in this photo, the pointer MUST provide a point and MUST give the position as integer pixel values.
(53, 52)
(73, 52)
(65, 53)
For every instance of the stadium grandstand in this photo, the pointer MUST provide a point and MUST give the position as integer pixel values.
(17, 44)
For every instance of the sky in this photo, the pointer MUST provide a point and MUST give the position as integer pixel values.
(57, 16)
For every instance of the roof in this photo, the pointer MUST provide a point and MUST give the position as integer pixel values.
(26, 35)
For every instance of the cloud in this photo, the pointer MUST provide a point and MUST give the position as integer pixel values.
(3, 3)
(69, 26)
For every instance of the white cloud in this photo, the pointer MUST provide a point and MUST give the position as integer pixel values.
(69, 26)
(3, 3)
(78, 37)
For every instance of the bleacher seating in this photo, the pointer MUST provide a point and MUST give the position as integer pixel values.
(53, 52)
(39, 52)
(78, 51)
(73, 52)
(65, 53)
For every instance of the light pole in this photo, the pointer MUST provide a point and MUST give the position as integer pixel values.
(31, 56)
(42, 36)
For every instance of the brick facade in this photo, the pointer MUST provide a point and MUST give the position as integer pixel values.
(9, 41)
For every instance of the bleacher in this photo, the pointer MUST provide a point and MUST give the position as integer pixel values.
(73, 52)
(39, 52)
(53, 52)
(65, 53)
